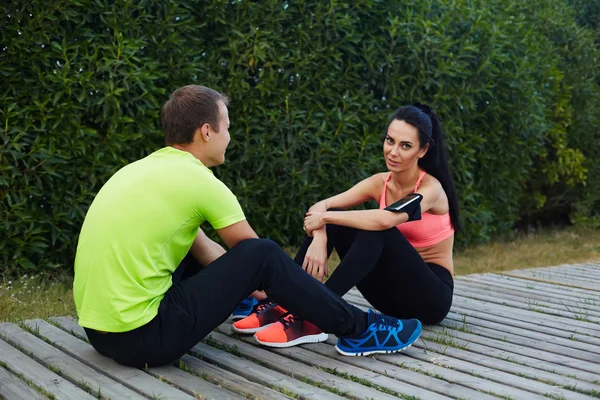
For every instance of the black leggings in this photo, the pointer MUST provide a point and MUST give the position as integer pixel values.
(389, 273)
(203, 298)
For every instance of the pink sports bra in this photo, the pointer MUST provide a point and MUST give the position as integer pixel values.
(429, 230)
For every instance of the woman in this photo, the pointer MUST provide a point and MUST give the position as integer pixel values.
(402, 268)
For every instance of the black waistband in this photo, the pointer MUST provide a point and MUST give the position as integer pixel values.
(442, 273)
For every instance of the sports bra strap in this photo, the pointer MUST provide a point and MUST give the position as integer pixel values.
(419, 180)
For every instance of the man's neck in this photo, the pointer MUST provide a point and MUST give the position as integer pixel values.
(193, 150)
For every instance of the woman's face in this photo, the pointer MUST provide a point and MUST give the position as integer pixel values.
(402, 148)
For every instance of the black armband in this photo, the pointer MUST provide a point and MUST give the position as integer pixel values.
(410, 204)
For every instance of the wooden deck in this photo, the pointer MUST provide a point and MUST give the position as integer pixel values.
(527, 334)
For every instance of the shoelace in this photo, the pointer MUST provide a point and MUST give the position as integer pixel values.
(260, 307)
(287, 320)
(386, 322)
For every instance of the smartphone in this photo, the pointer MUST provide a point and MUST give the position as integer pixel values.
(405, 203)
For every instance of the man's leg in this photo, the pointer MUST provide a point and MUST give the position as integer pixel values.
(194, 307)
(261, 264)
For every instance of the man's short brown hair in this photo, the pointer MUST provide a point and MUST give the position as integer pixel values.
(187, 109)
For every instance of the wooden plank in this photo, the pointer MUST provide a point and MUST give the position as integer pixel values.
(71, 326)
(13, 388)
(209, 372)
(525, 306)
(230, 381)
(431, 341)
(510, 375)
(200, 388)
(408, 386)
(560, 277)
(476, 356)
(552, 279)
(569, 325)
(213, 374)
(515, 376)
(20, 363)
(542, 319)
(497, 296)
(531, 340)
(570, 301)
(531, 293)
(260, 374)
(300, 369)
(132, 378)
(513, 344)
(473, 318)
(514, 347)
(501, 354)
(572, 273)
(74, 371)
(397, 367)
(549, 288)
(500, 383)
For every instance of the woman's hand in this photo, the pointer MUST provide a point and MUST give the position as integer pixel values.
(320, 206)
(313, 221)
(315, 261)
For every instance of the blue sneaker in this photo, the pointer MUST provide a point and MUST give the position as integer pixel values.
(385, 334)
(244, 308)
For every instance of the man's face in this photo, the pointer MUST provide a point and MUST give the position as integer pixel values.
(220, 139)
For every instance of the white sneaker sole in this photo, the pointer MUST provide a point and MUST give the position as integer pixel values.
(368, 353)
(321, 337)
(249, 330)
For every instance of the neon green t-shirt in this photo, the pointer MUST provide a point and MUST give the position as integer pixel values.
(136, 232)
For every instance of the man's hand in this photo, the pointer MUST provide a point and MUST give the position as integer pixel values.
(259, 295)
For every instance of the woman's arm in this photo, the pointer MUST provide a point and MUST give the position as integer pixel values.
(365, 190)
(373, 220)
(368, 220)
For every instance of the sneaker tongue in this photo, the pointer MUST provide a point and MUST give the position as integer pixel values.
(287, 320)
(372, 317)
(262, 306)
(382, 319)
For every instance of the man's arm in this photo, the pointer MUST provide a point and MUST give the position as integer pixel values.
(235, 233)
(205, 250)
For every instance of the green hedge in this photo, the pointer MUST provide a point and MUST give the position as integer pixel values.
(312, 85)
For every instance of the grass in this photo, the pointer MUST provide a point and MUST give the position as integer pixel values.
(545, 248)
(41, 297)
(35, 297)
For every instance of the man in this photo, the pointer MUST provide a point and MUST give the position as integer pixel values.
(139, 308)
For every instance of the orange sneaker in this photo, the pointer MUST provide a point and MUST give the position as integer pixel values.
(290, 331)
(266, 314)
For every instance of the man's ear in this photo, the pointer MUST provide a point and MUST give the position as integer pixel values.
(202, 133)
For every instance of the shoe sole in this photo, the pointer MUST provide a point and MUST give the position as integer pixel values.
(321, 337)
(238, 317)
(249, 330)
(369, 352)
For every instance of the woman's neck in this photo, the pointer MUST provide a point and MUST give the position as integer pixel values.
(405, 181)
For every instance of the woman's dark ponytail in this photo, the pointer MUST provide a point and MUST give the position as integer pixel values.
(435, 162)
